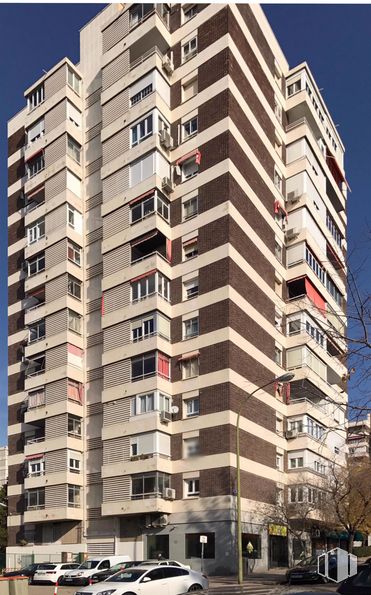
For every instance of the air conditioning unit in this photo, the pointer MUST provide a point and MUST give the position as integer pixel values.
(291, 434)
(292, 233)
(169, 494)
(167, 184)
(160, 521)
(165, 416)
(167, 64)
(166, 140)
(293, 197)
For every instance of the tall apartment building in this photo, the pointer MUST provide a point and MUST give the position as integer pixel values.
(3, 465)
(176, 240)
(359, 437)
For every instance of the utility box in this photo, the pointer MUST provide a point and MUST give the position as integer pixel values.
(18, 586)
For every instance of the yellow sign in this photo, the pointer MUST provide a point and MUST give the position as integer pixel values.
(280, 530)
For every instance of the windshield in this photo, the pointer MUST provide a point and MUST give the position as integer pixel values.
(47, 566)
(127, 576)
(308, 562)
(89, 564)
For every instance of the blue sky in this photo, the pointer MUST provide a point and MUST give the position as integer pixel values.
(334, 39)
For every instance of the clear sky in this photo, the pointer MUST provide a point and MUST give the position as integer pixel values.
(334, 39)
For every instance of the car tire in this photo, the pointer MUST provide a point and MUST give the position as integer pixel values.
(128, 593)
(195, 587)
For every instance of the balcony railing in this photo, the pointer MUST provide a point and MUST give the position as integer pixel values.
(323, 408)
(33, 308)
(36, 507)
(145, 56)
(36, 373)
(34, 440)
(141, 258)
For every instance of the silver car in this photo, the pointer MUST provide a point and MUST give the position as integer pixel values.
(144, 580)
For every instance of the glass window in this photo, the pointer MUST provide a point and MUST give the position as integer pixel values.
(36, 264)
(35, 165)
(36, 467)
(36, 97)
(74, 464)
(190, 208)
(190, 249)
(36, 331)
(141, 130)
(74, 426)
(190, 89)
(190, 288)
(255, 541)
(191, 447)
(189, 169)
(193, 545)
(149, 485)
(74, 322)
(36, 231)
(189, 49)
(189, 13)
(74, 253)
(190, 328)
(294, 88)
(192, 406)
(35, 499)
(74, 81)
(74, 496)
(74, 287)
(141, 94)
(147, 286)
(278, 180)
(73, 149)
(149, 205)
(190, 128)
(190, 368)
(36, 131)
(192, 487)
(143, 366)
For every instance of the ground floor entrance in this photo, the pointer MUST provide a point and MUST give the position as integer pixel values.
(278, 551)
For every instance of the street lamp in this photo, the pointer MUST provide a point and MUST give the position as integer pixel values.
(284, 378)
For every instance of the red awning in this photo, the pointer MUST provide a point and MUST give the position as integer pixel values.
(30, 457)
(316, 298)
(139, 198)
(336, 256)
(337, 167)
(35, 191)
(143, 276)
(186, 356)
(148, 236)
(34, 155)
(196, 153)
(189, 242)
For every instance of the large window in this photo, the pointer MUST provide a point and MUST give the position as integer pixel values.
(36, 131)
(35, 499)
(190, 208)
(75, 391)
(150, 364)
(36, 231)
(36, 467)
(73, 149)
(189, 169)
(190, 288)
(74, 287)
(149, 485)
(36, 97)
(190, 128)
(255, 541)
(74, 462)
(35, 165)
(190, 12)
(147, 286)
(74, 322)
(190, 368)
(193, 545)
(141, 130)
(141, 94)
(151, 204)
(190, 328)
(74, 496)
(333, 228)
(74, 218)
(333, 290)
(36, 264)
(315, 265)
(192, 407)
(192, 487)
(36, 331)
(74, 81)
(138, 12)
(152, 401)
(189, 49)
(74, 253)
(190, 248)
(74, 426)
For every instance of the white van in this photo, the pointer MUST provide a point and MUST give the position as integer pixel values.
(80, 576)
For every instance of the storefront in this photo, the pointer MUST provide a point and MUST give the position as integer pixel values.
(277, 546)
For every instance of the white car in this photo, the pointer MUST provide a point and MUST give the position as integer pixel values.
(51, 573)
(154, 580)
(164, 563)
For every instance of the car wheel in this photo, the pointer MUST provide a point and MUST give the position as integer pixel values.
(194, 587)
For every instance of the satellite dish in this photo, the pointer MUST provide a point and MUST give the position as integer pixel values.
(175, 409)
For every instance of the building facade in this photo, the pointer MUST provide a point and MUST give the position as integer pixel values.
(359, 438)
(3, 465)
(176, 240)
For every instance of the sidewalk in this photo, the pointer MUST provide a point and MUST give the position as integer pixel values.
(275, 576)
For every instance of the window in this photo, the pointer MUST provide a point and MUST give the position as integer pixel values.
(190, 208)
(193, 545)
(147, 286)
(190, 89)
(74, 287)
(294, 326)
(74, 496)
(318, 270)
(150, 364)
(296, 462)
(141, 94)
(35, 499)
(138, 12)
(74, 390)
(36, 231)
(35, 98)
(319, 467)
(74, 253)
(190, 328)
(143, 328)
(190, 12)
(35, 165)
(36, 264)
(141, 130)
(278, 355)
(315, 333)
(73, 115)
(149, 485)
(36, 331)
(74, 426)
(294, 88)
(190, 249)
(189, 169)
(190, 368)
(36, 131)
(278, 180)
(36, 467)
(74, 81)
(149, 205)
(74, 463)
(191, 447)
(296, 494)
(189, 49)
(36, 398)
(190, 128)
(73, 149)
(278, 251)
(255, 541)
(333, 290)
(36, 365)
(192, 488)
(74, 322)
(143, 404)
(74, 218)
(190, 288)
(279, 462)
(192, 407)
(333, 228)
(296, 426)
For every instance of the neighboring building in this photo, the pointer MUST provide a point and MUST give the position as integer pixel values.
(359, 437)
(176, 239)
(3, 465)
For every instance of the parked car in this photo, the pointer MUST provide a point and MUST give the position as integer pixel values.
(305, 572)
(153, 580)
(359, 584)
(103, 575)
(51, 573)
(26, 571)
(162, 562)
(91, 566)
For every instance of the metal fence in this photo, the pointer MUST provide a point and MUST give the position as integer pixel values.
(17, 561)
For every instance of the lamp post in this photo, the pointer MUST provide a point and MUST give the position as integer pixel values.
(284, 378)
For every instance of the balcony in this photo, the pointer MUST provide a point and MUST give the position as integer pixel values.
(149, 245)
